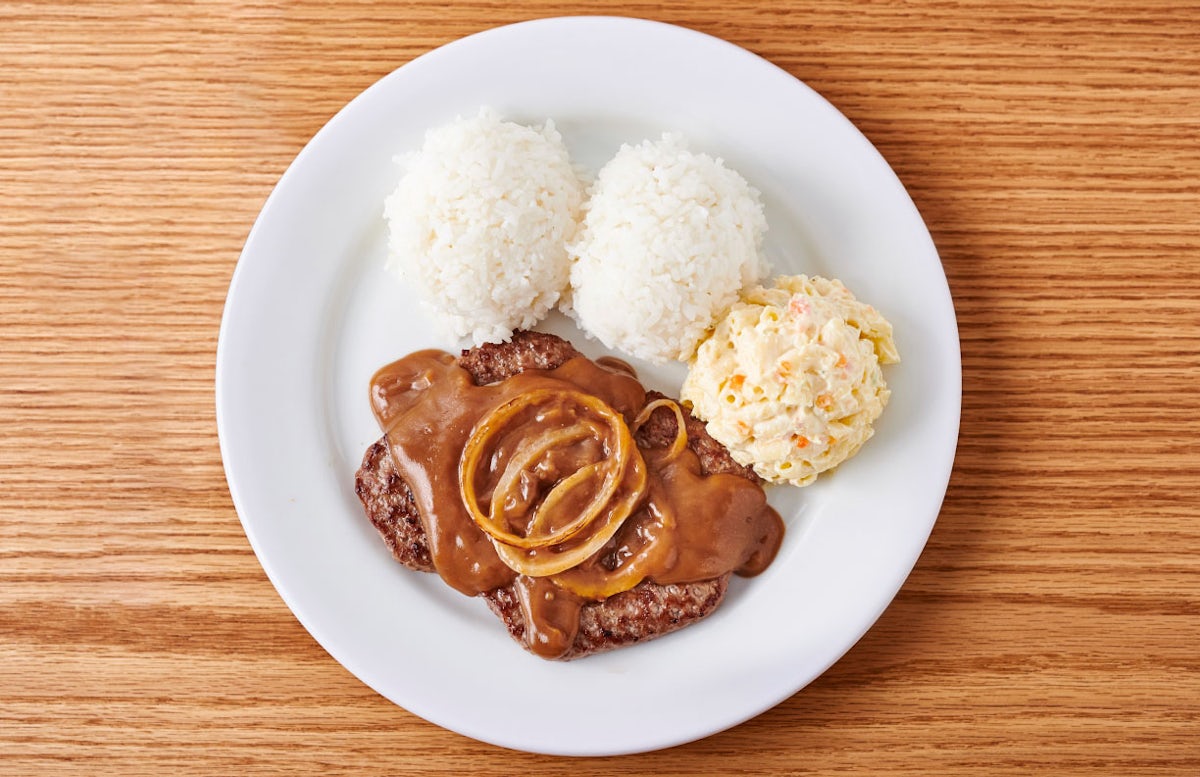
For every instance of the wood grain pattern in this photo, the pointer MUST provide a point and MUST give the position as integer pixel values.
(1050, 627)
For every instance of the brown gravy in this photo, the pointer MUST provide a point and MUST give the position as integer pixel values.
(686, 527)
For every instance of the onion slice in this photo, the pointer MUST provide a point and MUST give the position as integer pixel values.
(681, 438)
(542, 550)
(589, 582)
(527, 453)
(543, 562)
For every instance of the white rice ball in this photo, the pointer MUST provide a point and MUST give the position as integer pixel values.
(669, 238)
(480, 221)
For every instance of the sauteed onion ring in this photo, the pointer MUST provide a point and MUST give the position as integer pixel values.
(592, 581)
(543, 549)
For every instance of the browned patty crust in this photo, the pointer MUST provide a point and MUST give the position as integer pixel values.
(649, 610)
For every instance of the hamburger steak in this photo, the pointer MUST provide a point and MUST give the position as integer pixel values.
(646, 611)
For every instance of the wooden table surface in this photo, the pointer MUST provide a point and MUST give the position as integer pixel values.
(1050, 627)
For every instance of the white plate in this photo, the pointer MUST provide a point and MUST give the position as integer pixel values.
(311, 314)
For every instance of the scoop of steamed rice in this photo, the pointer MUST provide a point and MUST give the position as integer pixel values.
(669, 237)
(479, 224)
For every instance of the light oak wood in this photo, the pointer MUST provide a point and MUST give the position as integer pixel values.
(1051, 625)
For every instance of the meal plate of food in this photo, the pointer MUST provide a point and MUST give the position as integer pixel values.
(559, 317)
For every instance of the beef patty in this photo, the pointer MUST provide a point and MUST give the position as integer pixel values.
(646, 611)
